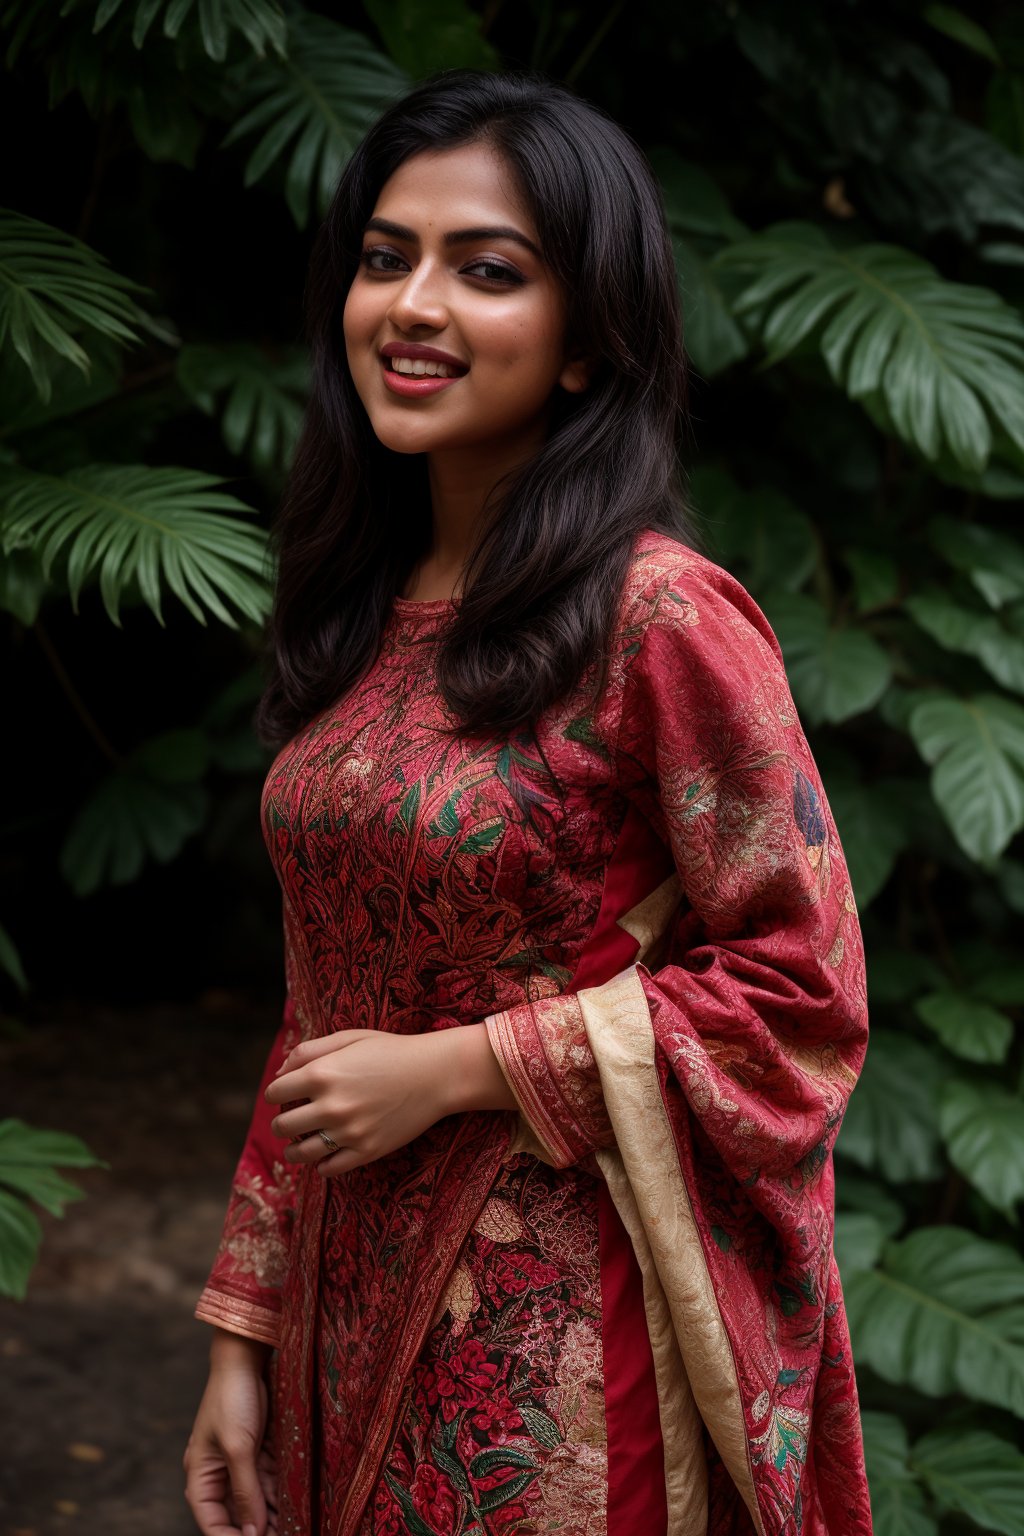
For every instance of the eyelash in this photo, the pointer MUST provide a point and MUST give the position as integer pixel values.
(509, 274)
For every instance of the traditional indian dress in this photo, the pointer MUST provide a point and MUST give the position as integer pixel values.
(617, 1310)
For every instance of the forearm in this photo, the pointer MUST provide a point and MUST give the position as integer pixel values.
(229, 1351)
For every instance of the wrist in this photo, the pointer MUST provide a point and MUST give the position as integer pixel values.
(471, 1073)
(229, 1351)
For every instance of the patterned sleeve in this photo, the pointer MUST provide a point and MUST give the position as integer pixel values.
(762, 1002)
(242, 1293)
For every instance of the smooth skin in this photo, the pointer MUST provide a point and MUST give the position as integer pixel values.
(428, 275)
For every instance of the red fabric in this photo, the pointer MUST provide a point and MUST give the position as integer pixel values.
(430, 882)
(636, 1463)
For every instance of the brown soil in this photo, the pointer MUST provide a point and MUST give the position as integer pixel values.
(103, 1365)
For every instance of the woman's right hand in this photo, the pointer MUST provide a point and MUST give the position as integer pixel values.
(231, 1483)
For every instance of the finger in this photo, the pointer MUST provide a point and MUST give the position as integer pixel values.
(343, 1161)
(309, 1149)
(247, 1495)
(206, 1494)
(299, 1121)
(309, 1050)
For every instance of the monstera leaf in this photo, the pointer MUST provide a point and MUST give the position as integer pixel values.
(976, 747)
(891, 1122)
(983, 1128)
(945, 360)
(972, 1472)
(944, 1313)
(898, 1506)
(836, 671)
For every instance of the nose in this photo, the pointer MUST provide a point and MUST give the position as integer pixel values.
(419, 300)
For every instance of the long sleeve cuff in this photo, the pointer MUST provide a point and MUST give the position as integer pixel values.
(542, 1049)
(249, 1318)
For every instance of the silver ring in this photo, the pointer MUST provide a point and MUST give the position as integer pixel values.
(329, 1141)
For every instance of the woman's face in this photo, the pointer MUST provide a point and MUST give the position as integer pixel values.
(452, 279)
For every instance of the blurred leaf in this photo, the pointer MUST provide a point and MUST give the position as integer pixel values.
(29, 1159)
(52, 289)
(873, 832)
(976, 747)
(700, 221)
(994, 561)
(891, 1121)
(962, 29)
(10, 961)
(944, 1314)
(22, 585)
(983, 1127)
(858, 1242)
(897, 1499)
(943, 356)
(761, 536)
(974, 634)
(876, 577)
(968, 1028)
(975, 1473)
(896, 975)
(313, 107)
(261, 22)
(123, 523)
(835, 672)
(20, 1236)
(129, 818)
(857, 1195)
(262, 412)
(425, 36)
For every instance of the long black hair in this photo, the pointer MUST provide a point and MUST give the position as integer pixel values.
(543, 580)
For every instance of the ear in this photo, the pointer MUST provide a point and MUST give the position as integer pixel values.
(577, 372)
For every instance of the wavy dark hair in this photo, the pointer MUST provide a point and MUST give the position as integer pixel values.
(542, 583)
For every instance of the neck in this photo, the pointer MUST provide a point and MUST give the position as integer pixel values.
(460, 482)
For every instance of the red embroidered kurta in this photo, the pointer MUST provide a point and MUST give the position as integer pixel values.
(645, 899)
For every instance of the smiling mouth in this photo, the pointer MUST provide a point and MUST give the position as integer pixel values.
(423, 368)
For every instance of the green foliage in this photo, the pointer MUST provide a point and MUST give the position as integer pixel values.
(845, 194)
(29, 1160)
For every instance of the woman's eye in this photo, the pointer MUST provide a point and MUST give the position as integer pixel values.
(494, 271)
(380, 260)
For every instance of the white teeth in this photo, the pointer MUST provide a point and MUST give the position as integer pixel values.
(419, 366)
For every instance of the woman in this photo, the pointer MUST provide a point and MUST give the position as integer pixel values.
(532, 1230)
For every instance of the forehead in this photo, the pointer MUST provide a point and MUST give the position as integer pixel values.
(453, 189)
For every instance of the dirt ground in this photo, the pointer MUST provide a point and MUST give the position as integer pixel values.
(103, 1365)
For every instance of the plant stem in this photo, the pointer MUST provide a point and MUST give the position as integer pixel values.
(74, 697)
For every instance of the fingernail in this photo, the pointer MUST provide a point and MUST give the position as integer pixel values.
(248, 1530)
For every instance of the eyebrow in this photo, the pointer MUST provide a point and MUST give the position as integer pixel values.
(456, 236)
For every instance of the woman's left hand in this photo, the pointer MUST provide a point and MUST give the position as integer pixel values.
(370, 1091)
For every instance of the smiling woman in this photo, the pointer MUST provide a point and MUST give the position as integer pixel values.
(532, 1229)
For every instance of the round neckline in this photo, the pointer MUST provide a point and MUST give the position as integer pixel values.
(412, 606)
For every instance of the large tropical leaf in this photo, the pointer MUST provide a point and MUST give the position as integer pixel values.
(897, 1499)
(944, 1313)
(983, 1127)
(991, 558)
(873, 833)
(53, 289)
(966, 1026)
(944, 359)
(836, 671)
(127, 523)
(261, 22)
(313, 107)
(261, 401)
(974, 633)
(976, 748)
(701, 222)
(762, 536)
(891, 1121)
(974, 1472)
(147, 809)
